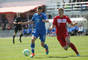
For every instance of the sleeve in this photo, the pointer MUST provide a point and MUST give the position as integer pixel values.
(33, 17)
(54, 21)
(68, 20)
(15, 20)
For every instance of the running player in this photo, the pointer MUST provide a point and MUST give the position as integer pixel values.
(61, 31)
(39, 30)
(17, 28)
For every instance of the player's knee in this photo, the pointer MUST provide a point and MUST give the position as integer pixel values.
(33, 41)
(21, 35)
(69, 44)
(42, 44)
(66, 48)
(14, 33)
(14, 36)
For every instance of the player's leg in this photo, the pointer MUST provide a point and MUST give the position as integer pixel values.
(73, 47)
(33, 46)
(69, 44)
(42, 38)
(46, 47)
(21, 34)
(65, 43)
(15, 32)
(35, 35)
(61, 41)
(64, 40)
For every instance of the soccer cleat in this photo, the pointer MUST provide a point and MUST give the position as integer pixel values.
(78, 54)
(47, 51)
(32, 55)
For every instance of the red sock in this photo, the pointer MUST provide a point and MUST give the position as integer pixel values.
(74, 48)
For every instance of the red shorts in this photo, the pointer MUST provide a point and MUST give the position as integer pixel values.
(62, 40)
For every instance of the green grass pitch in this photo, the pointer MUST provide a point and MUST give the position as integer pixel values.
(9, 51)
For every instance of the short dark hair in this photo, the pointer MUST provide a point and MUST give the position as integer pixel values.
(61, 9)
(40, 8)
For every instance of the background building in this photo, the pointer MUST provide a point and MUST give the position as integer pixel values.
(77, 10)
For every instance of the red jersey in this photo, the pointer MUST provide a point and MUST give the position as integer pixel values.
(60, 23)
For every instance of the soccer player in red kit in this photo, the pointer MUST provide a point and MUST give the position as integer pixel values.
(61, 31)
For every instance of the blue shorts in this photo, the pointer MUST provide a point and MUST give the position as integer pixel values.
(41, 35)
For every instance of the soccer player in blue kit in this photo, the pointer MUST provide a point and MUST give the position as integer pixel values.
(39, 30)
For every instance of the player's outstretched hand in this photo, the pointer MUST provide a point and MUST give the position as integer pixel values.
(50, 28)
(20, 22)
(14, 23)
(45, 20)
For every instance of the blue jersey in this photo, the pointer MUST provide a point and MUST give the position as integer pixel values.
(38, 23)
(39, 26)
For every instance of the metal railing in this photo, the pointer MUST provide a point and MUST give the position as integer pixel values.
(76, 6)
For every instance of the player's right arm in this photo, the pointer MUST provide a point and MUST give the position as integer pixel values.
(29, 22)
(51, 27)
(53, 24)
(24, 23)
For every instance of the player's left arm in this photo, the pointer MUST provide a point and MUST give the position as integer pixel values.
(70, 22)
(74, 24)
(45, 20)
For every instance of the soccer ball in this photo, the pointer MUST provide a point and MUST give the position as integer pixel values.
(26, 52)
